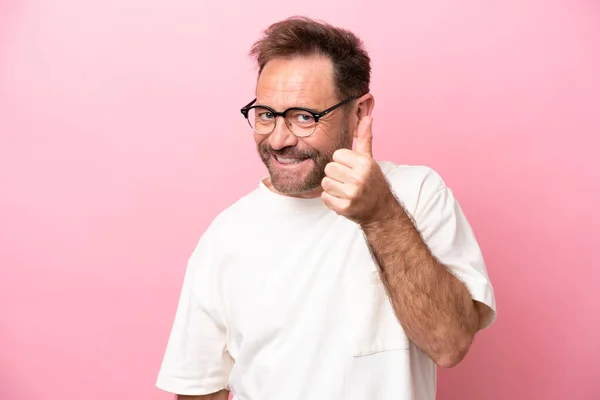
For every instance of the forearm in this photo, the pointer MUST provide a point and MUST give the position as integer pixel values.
(221, 395)
(434, 307)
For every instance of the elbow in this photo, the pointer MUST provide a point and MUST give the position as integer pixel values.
(453, 355)
(449, 359)
(458, 346)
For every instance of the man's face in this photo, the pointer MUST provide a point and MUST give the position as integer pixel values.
(296, 165)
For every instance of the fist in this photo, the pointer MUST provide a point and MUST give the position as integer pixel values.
(354, 185)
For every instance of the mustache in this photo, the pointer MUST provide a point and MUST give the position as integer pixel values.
(291, 152)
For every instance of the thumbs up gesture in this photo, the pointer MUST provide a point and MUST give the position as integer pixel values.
(354, 185)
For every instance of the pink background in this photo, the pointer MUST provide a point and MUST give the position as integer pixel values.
(121, 139)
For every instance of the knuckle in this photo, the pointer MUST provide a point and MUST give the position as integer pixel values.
(360, 180)
(337, 154)
(346, 207)
(330, 168)
(353, 192)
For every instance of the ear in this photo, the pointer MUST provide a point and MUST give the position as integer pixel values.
(364, 107)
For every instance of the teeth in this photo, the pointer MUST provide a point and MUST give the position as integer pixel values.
(288, 160)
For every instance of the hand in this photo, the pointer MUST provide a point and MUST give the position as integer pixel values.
(354, 185)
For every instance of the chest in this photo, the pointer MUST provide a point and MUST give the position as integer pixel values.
(288, 279)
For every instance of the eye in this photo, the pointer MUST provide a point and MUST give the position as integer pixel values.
(303, 118)
(265, 115)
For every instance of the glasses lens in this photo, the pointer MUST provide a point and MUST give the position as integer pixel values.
(300, 122)
(261, 120)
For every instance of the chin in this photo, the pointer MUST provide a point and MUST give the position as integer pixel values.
(292, 186)
(289, 188)
(301, 183)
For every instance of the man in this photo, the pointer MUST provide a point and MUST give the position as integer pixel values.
(339, 277)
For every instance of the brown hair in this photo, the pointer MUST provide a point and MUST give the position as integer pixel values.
(302, 36)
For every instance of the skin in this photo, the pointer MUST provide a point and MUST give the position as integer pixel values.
(301, 82)
(435, 308)
(222, 395)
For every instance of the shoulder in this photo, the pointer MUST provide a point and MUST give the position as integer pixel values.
(227, 220)
(412, 175)
(233, 212)
(414, 185)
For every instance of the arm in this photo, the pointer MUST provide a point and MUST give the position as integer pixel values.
(196, 360)
(435, 309)
(221, 395)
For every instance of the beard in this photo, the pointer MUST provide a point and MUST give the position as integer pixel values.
(289, 183)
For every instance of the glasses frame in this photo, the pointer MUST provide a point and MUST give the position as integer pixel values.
(316, 115)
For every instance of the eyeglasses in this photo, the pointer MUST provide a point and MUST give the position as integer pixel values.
(302, 122)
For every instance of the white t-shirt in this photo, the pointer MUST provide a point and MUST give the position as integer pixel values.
(282, 300)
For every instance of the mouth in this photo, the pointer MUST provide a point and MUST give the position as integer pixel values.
(289, 161)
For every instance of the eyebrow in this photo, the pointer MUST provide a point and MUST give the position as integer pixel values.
(301, 105)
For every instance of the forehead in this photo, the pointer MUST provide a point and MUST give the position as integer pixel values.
(297, 82)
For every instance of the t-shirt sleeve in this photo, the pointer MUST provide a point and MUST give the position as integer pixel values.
(448, 234)
(196, 360)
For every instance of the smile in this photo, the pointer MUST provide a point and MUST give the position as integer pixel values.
(289, 161)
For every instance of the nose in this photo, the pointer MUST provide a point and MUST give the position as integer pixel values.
(281, 136)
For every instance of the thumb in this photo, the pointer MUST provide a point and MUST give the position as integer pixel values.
(364, 136)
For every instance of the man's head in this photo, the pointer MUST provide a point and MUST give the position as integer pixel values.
(312, 65)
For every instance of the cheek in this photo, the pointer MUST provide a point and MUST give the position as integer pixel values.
(318, 145)
(260, 140)
(326, 139)
(334, 129)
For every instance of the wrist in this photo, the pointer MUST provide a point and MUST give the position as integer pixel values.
(388, 212)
